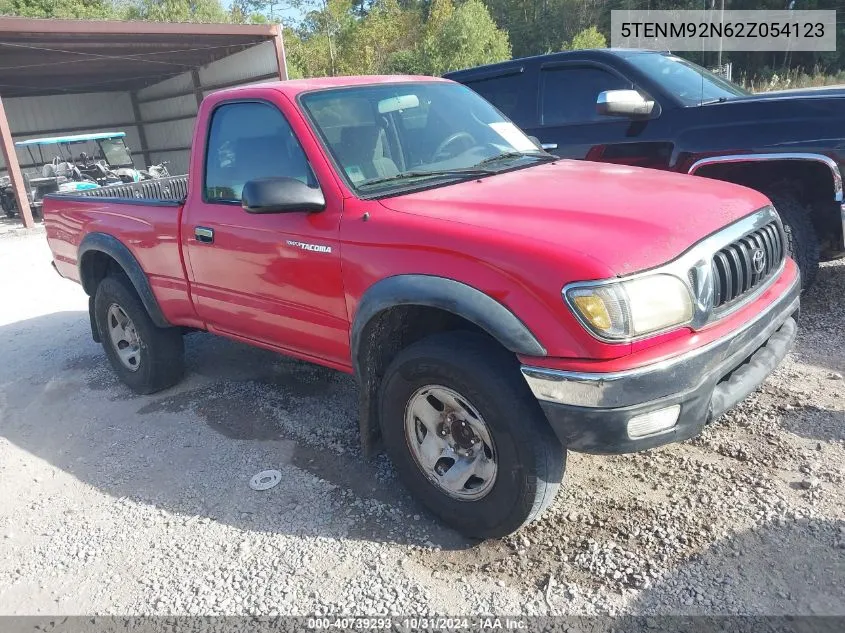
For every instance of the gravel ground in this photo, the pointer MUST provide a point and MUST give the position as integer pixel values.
(120, 504)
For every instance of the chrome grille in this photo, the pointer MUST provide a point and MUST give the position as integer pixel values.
(744, 264)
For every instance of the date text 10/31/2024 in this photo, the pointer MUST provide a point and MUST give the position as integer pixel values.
(418, 623)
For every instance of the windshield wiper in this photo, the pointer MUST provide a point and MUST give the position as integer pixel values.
(461, 171)
(716, 100)
(538, 154)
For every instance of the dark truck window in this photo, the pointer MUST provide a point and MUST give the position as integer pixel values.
(248, 141)
(690, 83)
(512, 94)
(569, 94)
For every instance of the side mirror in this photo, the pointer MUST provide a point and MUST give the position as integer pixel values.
(623, 103)
(281, 195)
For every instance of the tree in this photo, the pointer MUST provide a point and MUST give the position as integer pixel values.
(247, 12)
(406, 62)
(588, 38)
(177, 11)
(323, 39)
(455, 38)
(471, 38)
(370, 43)
(267, 11)
(74, 9)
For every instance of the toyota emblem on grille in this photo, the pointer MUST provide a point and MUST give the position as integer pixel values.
(758, 260)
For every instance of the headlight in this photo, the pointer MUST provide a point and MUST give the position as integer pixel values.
(630, 309)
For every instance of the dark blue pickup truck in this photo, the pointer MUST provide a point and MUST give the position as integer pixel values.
(657, 110)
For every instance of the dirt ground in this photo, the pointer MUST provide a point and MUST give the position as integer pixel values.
(114, 503)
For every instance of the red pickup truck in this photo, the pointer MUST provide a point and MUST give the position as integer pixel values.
(497, 305)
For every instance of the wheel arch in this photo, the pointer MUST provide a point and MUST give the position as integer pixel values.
(816, 179)
(448, 295)
(399, 310)
(101, 253)
(823, 164)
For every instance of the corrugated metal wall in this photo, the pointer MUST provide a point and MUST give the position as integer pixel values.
(241, 67)
(168, 109)
(31, 117)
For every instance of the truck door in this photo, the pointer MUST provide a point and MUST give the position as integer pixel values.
(270, 278)
(571, 127)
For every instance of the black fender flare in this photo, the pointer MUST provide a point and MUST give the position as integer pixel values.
(117, 250)
(449, 295)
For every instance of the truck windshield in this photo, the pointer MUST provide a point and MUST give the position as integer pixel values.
(690, 83)
(116, 152)
(389, 136)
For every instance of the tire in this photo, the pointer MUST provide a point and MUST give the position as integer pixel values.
(529, 459)
(158, 352)
(802, 242)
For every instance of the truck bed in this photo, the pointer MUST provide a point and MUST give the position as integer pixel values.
(171, 189)
(146, 215)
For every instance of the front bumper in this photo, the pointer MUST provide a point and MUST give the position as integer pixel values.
(590, 412)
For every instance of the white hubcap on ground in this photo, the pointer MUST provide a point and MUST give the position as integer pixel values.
(124, 337)
(450, 442)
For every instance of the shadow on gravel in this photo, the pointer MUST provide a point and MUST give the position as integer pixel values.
(816, 423)
(267, 411)
(797, 568)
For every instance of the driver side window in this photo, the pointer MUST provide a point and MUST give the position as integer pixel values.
(569, 94)
(247, 141)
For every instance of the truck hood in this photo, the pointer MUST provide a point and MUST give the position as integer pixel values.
(628, 218)
(824, 92)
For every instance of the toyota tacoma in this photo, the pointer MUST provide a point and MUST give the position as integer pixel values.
(498, 306)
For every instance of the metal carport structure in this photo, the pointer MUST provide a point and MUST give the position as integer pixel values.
(143, 78)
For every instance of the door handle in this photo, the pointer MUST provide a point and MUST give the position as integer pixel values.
(204, 234)
(549, 145)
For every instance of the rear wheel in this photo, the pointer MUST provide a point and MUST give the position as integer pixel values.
(146, 357)
(467, 436)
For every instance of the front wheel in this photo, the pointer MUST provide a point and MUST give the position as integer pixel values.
(467, 436)
(802, 242)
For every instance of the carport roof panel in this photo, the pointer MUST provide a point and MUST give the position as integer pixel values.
(45, 57)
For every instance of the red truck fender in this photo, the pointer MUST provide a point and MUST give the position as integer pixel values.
(96, 252)
(370, 360)
(445, 294)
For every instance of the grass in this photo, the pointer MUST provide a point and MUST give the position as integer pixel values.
(791, 79)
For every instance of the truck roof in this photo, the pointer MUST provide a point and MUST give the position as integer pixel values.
(294, 87)
(580, 53)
